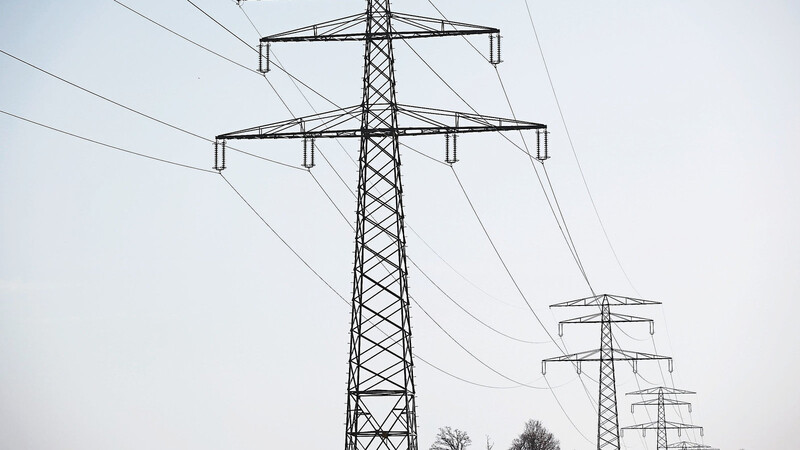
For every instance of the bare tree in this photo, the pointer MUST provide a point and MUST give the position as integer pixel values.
(450, 439)
(535, 437)
(489, 443)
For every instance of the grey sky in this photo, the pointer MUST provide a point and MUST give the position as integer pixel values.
(143, 305)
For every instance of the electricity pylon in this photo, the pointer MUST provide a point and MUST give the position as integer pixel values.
(380, 389)
(662, 424)
(607, 418)
(686, 445)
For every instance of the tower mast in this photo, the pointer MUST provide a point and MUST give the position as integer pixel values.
(608, 433)
(661, 425)
(380, 389)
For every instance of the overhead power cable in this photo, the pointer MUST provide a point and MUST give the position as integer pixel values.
(583, 177)
(503, 262)
(321, 278)
(283, 240)
(564, 230)
(457, 272)
(572, 147)
(221, 25)
(184, 37)
(562, 224)
(135, 111)
(103, 144)
(524, 150)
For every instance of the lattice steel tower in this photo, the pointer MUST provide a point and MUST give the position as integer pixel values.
(607, 416)
(661, 425)
(686, 445)
(380, 389)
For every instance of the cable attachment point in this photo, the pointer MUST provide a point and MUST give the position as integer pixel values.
(263, 57)
(219, 155)
(309, 146)
(450, 155)
(542, 153)
(494, 48)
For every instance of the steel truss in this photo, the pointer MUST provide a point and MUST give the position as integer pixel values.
(607, 419)
(686, 445)
(381, 412)
(662, 424)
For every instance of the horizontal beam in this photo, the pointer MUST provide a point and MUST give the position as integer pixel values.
(596, 356)
(662, 390)
(667, 425)
(598, 318)
(687, 445)
(613, 300)
(347, 123)
(404, 26)
(357, 133)
(666, 401)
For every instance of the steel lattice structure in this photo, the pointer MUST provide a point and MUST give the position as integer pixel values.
(607, 418)
(686, 445)
(381, 411)
(662, 424)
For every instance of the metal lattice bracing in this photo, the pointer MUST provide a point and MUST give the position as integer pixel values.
(607, 421)
(686, 445)
(380, 389)
(608, 432)
(661, 425)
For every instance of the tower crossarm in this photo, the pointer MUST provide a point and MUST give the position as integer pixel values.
(662, 390)
(413, 121)
(595, 356)
(404, 26)
(666, 401)
(613, 300)
(687, 445)
(598, 318)
(667, 425)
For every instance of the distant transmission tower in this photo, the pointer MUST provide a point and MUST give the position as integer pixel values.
(686, 445)
(607, 419)
(380, 389)
(662, 425)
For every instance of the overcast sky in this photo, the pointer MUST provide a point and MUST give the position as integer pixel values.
(144, 306)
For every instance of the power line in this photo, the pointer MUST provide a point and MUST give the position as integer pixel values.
(113, 147)
(283, 240)
(503, 262)
(583, 177)
(575, 153)
(501, 333)
(540, 181)
(184, 37)
(483, 363)
(564, 229)
(565, 411)
(562, 224)
(457, 272)
(223, 26)
(182, 130)
(424, 274)
(135, 111)
(330, 287)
